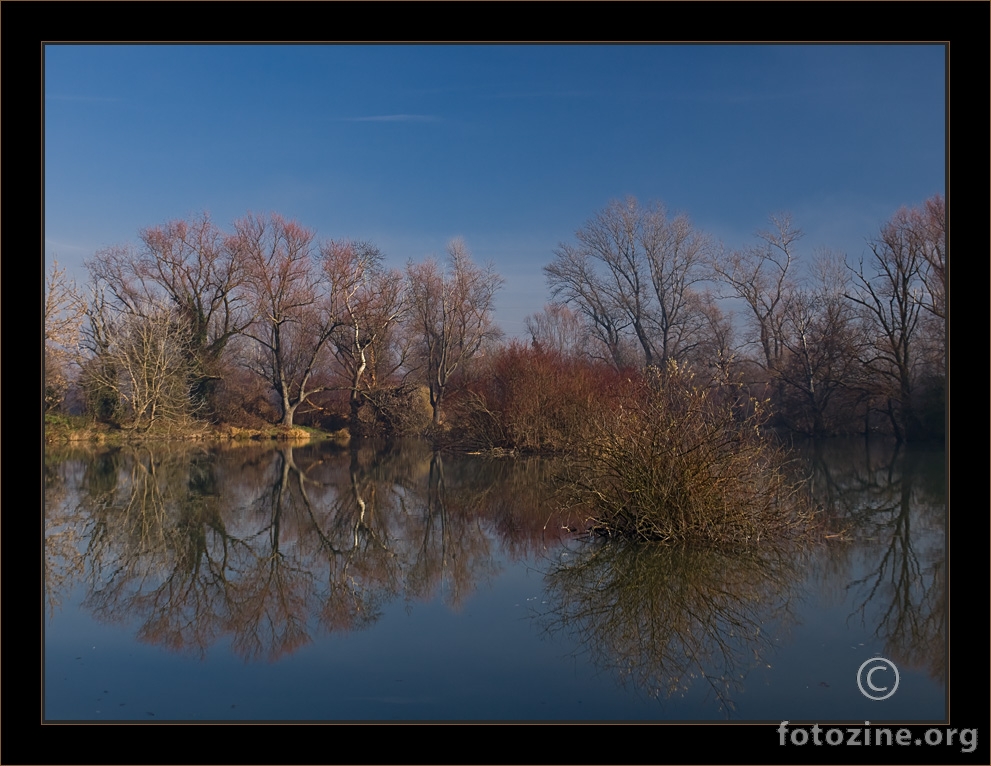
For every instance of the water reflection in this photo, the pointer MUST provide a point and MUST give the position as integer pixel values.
(266, 546)
(668, 617)
(264, 550)
(893, 502)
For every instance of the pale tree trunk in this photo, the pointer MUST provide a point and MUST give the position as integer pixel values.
(288, 410)
(435, 402)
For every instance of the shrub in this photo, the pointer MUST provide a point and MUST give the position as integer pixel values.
(534, 400)
(682, 462)
(399, 410)
(242, 398)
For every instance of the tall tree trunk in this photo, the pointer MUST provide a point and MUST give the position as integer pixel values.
(354, 423)
(435, 400)
(896, 423)
(288, 410)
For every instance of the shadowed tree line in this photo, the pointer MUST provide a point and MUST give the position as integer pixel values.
(264, 323)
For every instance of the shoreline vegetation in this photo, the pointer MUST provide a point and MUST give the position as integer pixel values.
(664, 408)
(79, 429)
(684, 463)
(666, 460)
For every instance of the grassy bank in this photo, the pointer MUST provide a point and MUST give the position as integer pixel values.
(70, 428)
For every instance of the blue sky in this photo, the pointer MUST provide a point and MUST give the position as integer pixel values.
(512, 147)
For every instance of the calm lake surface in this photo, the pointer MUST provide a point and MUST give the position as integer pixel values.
(388, 583)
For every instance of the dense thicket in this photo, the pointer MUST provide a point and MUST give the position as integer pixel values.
(682, 461)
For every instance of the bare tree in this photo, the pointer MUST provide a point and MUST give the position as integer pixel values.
(762, 276)
(822, 341)
(617, 238)
(675, 258)
(191, 265)
(143, 363)
(713, 354)
(889, 289)
(113, 274)
(291, 302)
(200, 273)
(560, 329)
(102, 400)
(451, 315)
(574, 280)
(930, 226)
(368, 301)
(64, 313)
(632, 271)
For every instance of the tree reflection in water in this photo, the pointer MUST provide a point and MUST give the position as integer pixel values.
(668, 617)
(892, 499)
(266, 546)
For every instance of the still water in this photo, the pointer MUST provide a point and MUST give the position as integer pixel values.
(386, 582)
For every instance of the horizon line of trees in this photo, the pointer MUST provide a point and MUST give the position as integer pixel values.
(264, 323)
(837, 345)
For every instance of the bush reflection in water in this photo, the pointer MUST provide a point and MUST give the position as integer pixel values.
(668, 617)
(268, 548)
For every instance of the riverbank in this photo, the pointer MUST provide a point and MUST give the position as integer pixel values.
(78, 429)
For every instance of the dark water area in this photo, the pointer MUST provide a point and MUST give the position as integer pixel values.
(387, 582)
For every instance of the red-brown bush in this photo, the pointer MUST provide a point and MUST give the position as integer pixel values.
(533, 400)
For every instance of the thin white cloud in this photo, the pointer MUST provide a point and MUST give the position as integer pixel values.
(395, 118)
(544, 94)
(93, 99)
